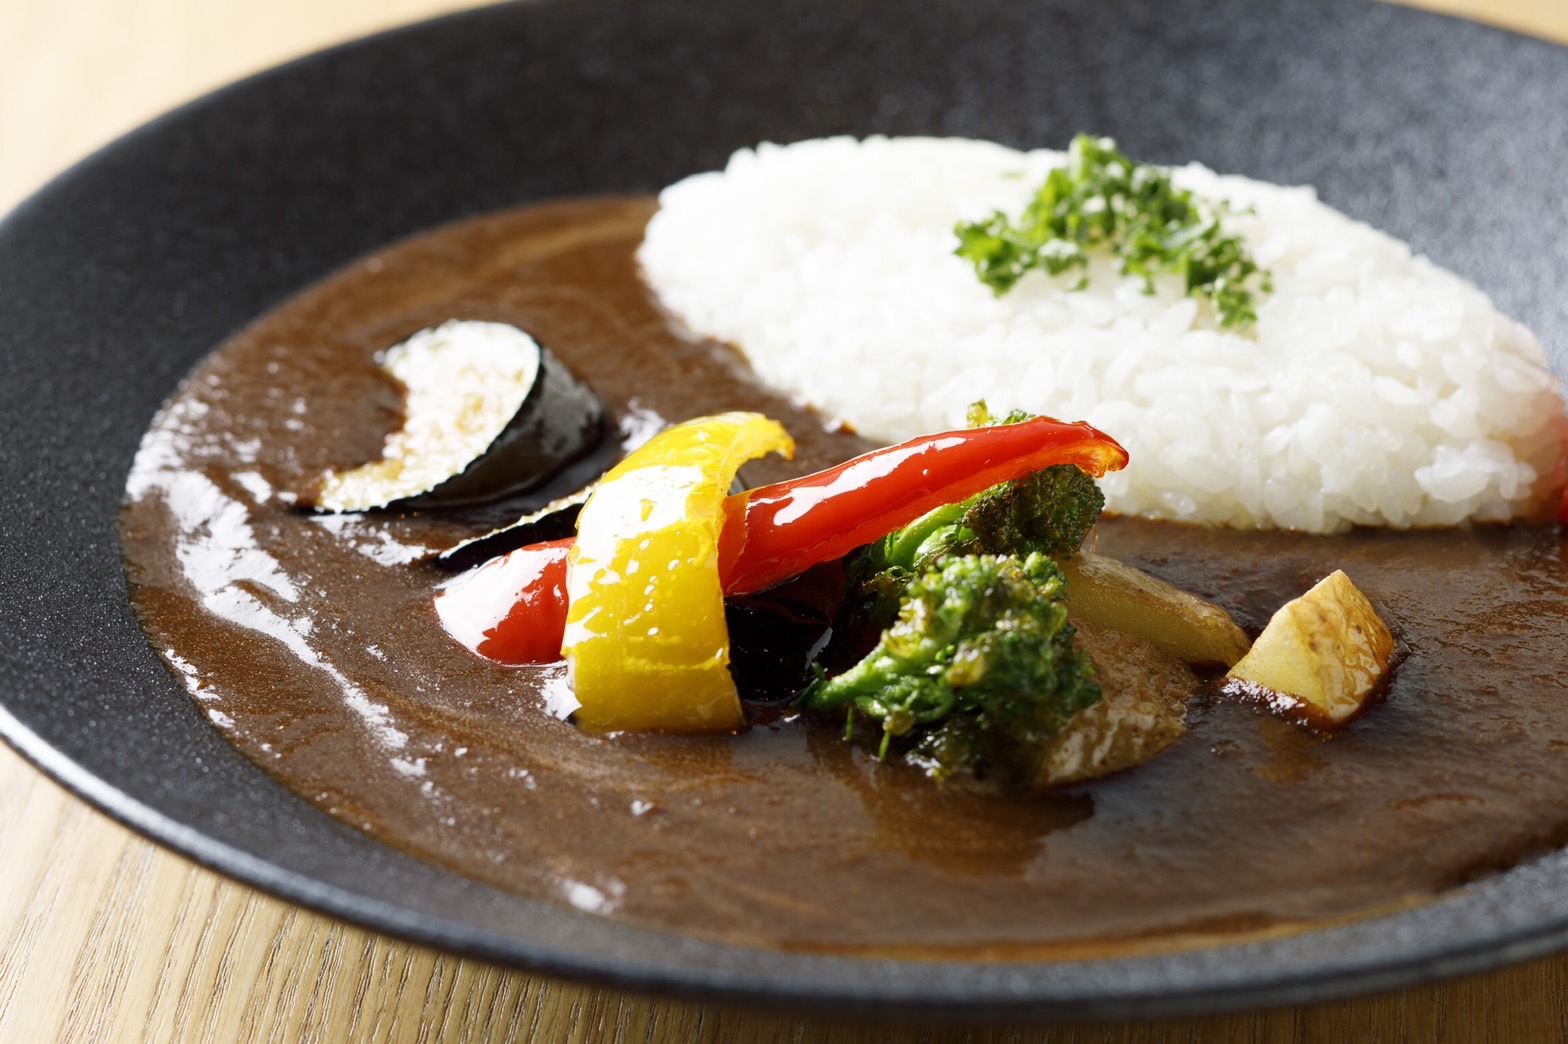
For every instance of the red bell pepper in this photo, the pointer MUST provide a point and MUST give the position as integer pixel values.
(513, 609)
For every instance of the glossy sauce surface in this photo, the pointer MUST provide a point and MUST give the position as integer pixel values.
(310, 641)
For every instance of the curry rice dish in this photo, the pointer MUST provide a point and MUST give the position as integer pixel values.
(310, 641)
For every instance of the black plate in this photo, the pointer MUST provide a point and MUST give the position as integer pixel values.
(121, 274)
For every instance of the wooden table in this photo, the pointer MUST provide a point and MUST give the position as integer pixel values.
(104, 936)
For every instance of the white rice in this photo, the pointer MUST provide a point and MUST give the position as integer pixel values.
(1375, 388)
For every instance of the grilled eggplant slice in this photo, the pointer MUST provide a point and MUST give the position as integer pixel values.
(489, 413)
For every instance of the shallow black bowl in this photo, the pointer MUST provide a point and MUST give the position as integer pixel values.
(121, 274)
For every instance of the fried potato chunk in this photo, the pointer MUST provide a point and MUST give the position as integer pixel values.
(1320, 658)
(1142, 712)
(1113, 594)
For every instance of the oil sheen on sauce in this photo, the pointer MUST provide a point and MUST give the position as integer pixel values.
(310, 641)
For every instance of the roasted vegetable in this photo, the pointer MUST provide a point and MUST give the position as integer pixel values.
(791, 525)
(1049, 511)
(503, 611)
(1142, 711)
(1040, 720)
(645, 638)
(488, 412)
(978, 637)
(511, 609)
(1321, 657)
(1113, 594)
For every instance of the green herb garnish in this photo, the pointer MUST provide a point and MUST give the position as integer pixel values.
(1103, 199)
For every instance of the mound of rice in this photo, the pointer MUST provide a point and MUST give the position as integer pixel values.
(1375, 388)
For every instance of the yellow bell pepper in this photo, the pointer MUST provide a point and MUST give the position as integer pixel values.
(645, 641)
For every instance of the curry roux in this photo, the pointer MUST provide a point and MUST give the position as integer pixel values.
(310, 641)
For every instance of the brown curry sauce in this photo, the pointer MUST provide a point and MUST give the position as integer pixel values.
(310, 641)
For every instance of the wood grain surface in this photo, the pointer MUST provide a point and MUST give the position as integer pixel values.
(105, 937)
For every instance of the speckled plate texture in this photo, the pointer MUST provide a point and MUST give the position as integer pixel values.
(119, 276)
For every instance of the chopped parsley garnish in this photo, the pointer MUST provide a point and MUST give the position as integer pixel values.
(1103, 199)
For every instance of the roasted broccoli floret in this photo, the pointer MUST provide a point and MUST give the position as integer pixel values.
(983, 638)
(975, 654)
(1049, 512)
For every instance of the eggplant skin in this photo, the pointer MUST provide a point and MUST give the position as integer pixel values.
(433, 460)
(560, 422)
